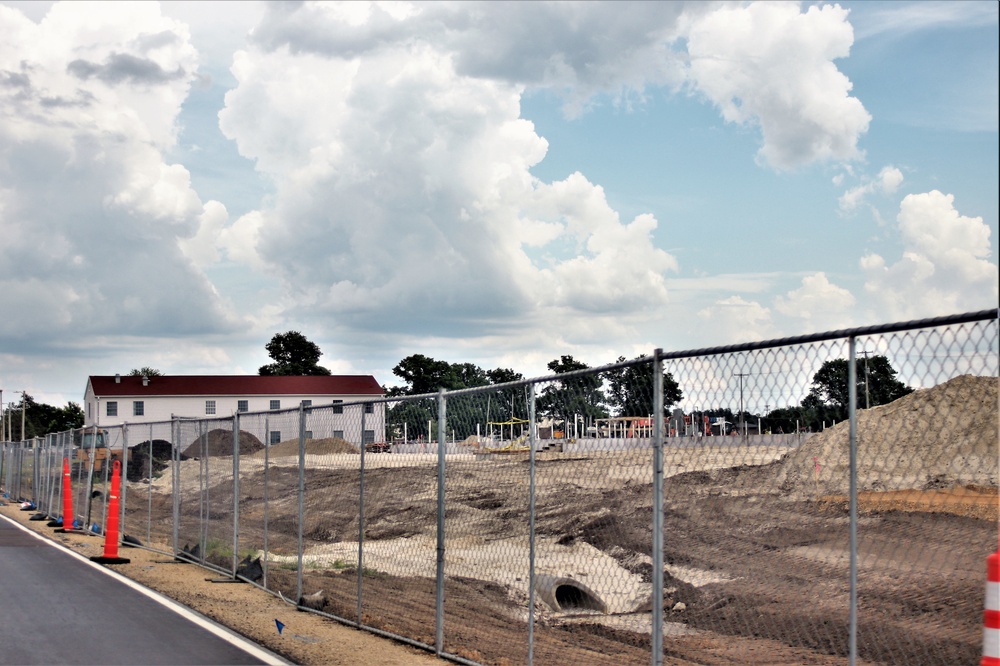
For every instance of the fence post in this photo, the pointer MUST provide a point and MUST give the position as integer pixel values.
(149, 489)
(236, 492)
(439, 586)
(657, 619)
(35, 478)
(532, 431)
(203, 463)
(302, 496)
(124, 478)
(852, 402)
(175, 479)
(361, 512)
(90, 477)
(67, 452)
(267, 464)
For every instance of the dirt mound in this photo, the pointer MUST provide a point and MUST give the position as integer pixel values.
(318, 447)
(149, 460)
(219, 443)
(939, 437)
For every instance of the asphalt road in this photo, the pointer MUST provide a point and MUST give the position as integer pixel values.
(58, 608)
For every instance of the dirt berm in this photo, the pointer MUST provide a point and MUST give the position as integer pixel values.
(941, 437)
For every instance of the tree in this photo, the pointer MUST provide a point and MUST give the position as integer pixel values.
(828, 395)
(630, 389)
(144, 371)
(425, 375)
(40, 418)
(293, 354)
(582, 395)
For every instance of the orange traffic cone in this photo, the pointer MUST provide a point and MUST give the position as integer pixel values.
(111, 533)
(991, 613)
(67, 521)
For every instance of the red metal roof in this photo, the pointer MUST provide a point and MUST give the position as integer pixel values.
(180, 385)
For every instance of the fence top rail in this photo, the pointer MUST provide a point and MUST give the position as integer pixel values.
(877, 329)
(965, 318)
(968, 317)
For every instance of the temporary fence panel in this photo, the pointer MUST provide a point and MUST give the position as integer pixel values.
(149, 492)
(255, 497)
(398, 507)
(826, 499)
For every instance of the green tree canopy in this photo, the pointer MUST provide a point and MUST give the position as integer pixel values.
(293, 354)
(40, 418)
(630, 389)
(425, 375)
(876, 385)
(574, 395)
(144, 371)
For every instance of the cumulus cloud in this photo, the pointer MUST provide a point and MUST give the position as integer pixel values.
(90, 212)
(576, 49)
(821, 304)
(945, 265)
(771, 65)
(886, 182)
(404, 192)
(735, 319)
(400, 161)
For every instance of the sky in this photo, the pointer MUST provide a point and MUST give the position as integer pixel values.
(493, 183)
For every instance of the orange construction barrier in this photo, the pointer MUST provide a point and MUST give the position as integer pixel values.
(111, 533)
(991, 613)
(67, 521)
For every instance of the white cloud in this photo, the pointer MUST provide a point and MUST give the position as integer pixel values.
(202, 248)
(404, 195)
(889, 179)
(886, 183)
(735, 319)
(821, 304)
(576, 49)
(900, 18)
(769, 64)
(944, 267)
(90, 213)
(401, 163)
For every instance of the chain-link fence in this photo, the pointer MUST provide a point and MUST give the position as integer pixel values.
(826, 499)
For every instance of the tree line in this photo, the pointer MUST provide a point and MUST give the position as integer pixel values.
(622, 391)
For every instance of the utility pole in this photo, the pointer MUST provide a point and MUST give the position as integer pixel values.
(866, 353)
(24, 408)
(743, 424)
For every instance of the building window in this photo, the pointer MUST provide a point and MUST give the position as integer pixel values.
(138, 408)
(307, 403)
(209, 406)
(309, 434)
(369, 408)
(275, 404)
(337, 407)
(275, 437)
(242, 406)
(338, 434)
(368, 437)
(112, 407)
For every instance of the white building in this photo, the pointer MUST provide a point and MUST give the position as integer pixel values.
(114, 400)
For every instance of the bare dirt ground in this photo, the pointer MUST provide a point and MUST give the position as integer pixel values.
(756, 544)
